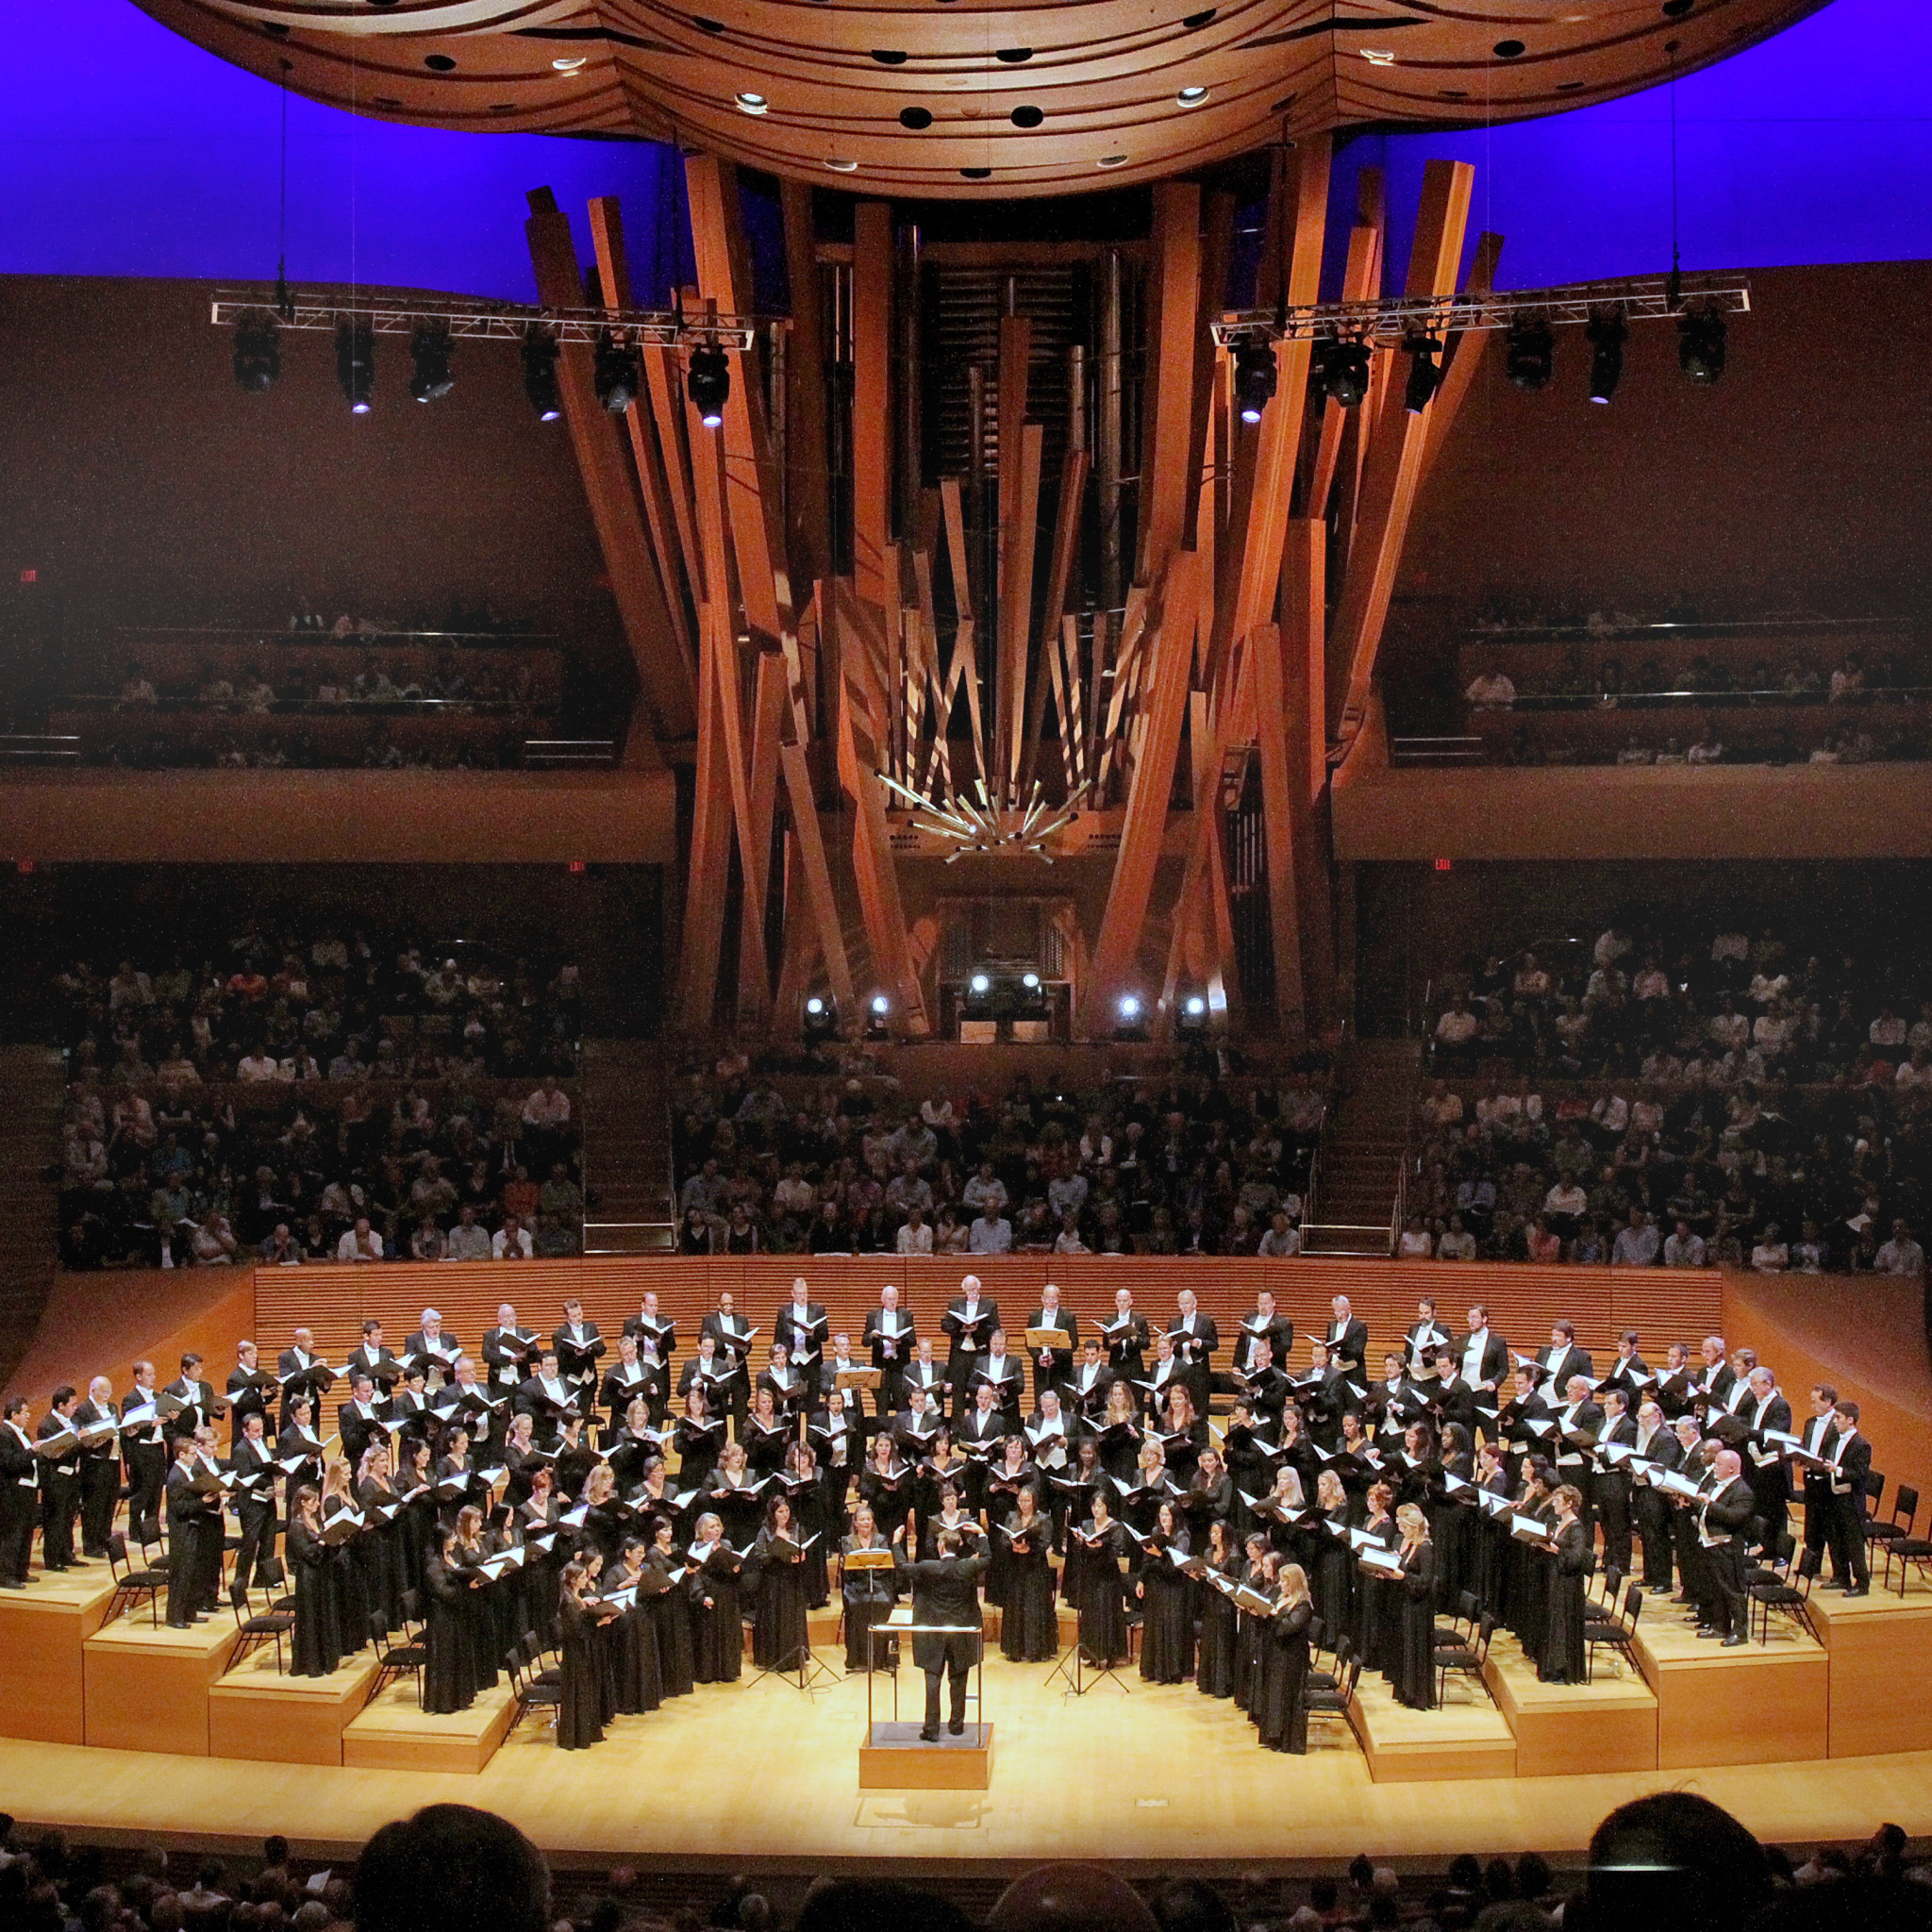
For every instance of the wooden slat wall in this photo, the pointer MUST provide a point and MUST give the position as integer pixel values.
(1677, 1305)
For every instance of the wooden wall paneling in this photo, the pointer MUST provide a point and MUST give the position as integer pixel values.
(808, 836)
(674, 559)
(666, 686)
(1020, 534)
(665, 385)
(807, 461)
(1167, 489)
(1074, 465)
(1011, 601)
(871, 415)
(1395, 454)
(965, 665)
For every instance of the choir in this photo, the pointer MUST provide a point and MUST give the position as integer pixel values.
(639, 1514)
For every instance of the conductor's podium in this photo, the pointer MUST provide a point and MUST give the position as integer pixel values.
(893, 1757)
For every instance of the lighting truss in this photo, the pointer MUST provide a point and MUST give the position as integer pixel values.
(1637, 298)
(986, 828)
(394, 313)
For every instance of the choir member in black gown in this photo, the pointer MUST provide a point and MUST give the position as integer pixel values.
(1526, 1572)
(1183, 1434)
(1215, 1665)
(1007, 1472)
(637, 1685)
(602, 1528)
(468, 1551)
(716, 1622)
(415, 1487)
(1486, 1537)
(1250, 1625)
(666, 1594)
(1334, 1576)
(778, 1639)
(806, 1495)
(868, 1594)
(1561, 1659)
(737, 1496)
(887, 1482)
(343, 1558)
(449, 1628)
(1412, 1654)
(699, 1439)
(1452, 1516)
(1166, 1596)
(318, 1637)
(1282, 1717)
(1285, 1501)
(655, 1494)
(1097, 1592)
(1375, 1614)
(1120, 1430)
(766, 1433)
(546, 1551)
(584, 1706)
(632, 1447)
(1029, 1623)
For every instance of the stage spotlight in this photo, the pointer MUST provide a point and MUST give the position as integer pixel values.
(617, 372)
(1131, 1019)
(1196, 1007)
(430, 350)
(982, 984)
(1608, 334)
(1530, 354)
(1346, 370)
(257, 354)
(356, 364)
(875, 1027)
(1424, 372)
(820, 1018)
(1253, 378)
(1131, 1007)
(1030, 981)
(708, 383)
(539, 375)
(1700, 344)
(881, 1005)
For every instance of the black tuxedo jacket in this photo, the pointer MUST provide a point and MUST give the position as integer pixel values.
(1277, 1332)
(1494, 1365)
(1348, 1344)
(790, 1336)
(904, 1340)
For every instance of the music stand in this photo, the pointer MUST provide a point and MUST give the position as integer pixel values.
(800, 1667)
(1082, 1672)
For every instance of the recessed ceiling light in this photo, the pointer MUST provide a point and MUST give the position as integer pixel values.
(889, 56)
(1201, 19)
(1508, 50)
(705, 24)
(439, 63)
(752, 103)
(975, 174)
(570, 63)
(1014, 56)
(1111, 161)
(1027, 117)
(1191, 96)
(840, 167)
(915, 118)
(1378, 57)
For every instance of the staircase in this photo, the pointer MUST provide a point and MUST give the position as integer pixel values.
(1362, 1150)
(30, 1108)
(629, 1209)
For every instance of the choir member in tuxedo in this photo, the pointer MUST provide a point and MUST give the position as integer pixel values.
(802, 1329)
(1562, 1660)
(1424, 1334)
(1347, 1337)
(837, 1437)
(922, 1372)
(466, 1398)
(300, 1372)
(1164, 1375)
(1214, 1663)
(1763, 1411)
(60, 1479)
(373, 1356)
(778, 1639)
(1323, 1395)
(1394, 1402)
(1694, 1465)
(194, 1506)
(1713, 1376)
(585, 1704)
(625, 1381)
(509, 1352)
(547, 1398)
(1850, 1476)
(1816, 1438)
(1166, 1596)
(1052, 1443)
(431, 1346)
(1578, 1421)
(1055, 1364)
(1629, 1369)
(985, 1428)
(717, 1628)
(1095, 1550)
(1656, 1448)
(251, 1388)
(359, 1420)
(408, 1402)
(668, 1594)
(253, 1465)
(1561, 1362)
(579, 1348)
(298, 1453)
(637, 1676)
(1029, 1624)
(1089, 1383)
(1676, 1385)
(790, 1389)
(944, 1593)
(98, 1422)
(189, 1400)
(1266, 1325)
(1281, 1713)
(1005, 1374)
(20, 1494)
(1126, 1338)
(648, 1325)
(1610, 1484)
(146, 1454)
(1482, 1357)
(970, 1319)
(868, 1593)
(888, 1479)
(1255, 1376)
(731, 1336)
(1195, 1337)
(320, 1640)
(1525, 1407)
(839, 1360)
(916, 1427)
(1412, 1668)
(1723, 1516)
(698, 1437)
(890, 1338)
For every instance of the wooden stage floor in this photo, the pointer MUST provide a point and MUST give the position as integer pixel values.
(761, 1777)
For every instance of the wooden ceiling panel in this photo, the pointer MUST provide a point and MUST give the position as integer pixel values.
(1103, 75)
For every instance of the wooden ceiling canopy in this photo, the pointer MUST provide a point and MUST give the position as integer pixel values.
(956, 98)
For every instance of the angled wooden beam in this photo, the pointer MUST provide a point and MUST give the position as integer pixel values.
(1010, 670)
(1018, 533)
(1210, 292)
(1304, 647)
(665, 682)
(711, 843)
(1145, 832)
(1166, 491)
(871, 398)
(1361, 281)
(665, 385)
(769, 706)
(1066, 538)
(807, 443)
(1396, 453)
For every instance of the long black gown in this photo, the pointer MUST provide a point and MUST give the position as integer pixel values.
(778, 1628)
(1214, 1668)
(1374, 1611)
(584, 1706)
(1331, 1580)
(631, 1640)
(378, 1553)
(478, 1610)
(346, 1560)
(1283, 1717)
(868, 1596)
(1412, 1650)
(317, 1639)
(1099, 1598)
(449, 1677)
(1167, 1612)
(668, 1605)
(717, 1631)
(1030, 1621)
(1250, 1628)
(1561, 1658)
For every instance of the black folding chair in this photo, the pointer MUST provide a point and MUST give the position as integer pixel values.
(132, 1583)
(256, 1627)
(1616, 1629)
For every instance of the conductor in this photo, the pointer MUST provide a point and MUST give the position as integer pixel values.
(944, 1590)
